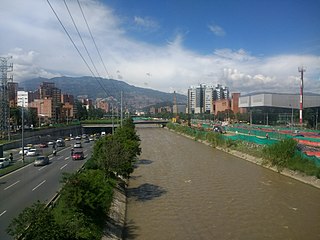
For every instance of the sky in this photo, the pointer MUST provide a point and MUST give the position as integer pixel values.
(167, 45)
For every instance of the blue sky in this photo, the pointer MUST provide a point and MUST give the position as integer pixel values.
(261, 27)
(169, 45)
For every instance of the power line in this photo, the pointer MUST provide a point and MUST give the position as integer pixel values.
(84, 60)
(85, 19)
(94, 42)
(84, 45)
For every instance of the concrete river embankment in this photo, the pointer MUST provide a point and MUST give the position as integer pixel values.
(182, 189)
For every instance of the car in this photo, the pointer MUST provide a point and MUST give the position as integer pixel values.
(219, 129)
(298, 135)
(33, 152)
(4, 162)
(86, 140)
(60, 142)
(43, 145)
(77, 144)
(25, 150)
(50, 142)
(41, 161)
(78, 138)
(78, 155)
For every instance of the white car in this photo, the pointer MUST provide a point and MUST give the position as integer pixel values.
(33, 152)
(4, 162)
(25, 150)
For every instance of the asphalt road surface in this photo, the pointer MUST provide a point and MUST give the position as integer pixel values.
(29, 184)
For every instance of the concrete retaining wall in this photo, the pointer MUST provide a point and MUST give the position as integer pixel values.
(35, 137)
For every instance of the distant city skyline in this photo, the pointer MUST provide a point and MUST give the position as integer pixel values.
(246, 45)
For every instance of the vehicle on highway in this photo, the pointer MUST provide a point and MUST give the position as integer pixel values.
(78, 155)
(33, 152)
(60, 142)
(25, 150)
(78, 138)
(43, 145)
(77, 144)
(4, 162)
(51, 142)
(41, 161)
(86, 140)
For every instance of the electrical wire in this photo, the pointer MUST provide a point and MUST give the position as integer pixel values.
(84, 60)
(84, 45)
(94, 42)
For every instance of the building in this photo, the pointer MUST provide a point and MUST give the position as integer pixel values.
(232, 104)
(86, 102)
(179, 108)
(12, 93)
(201, 98)
(102, 104)
(68, 107)
(44, 109)
(279, 100)
(278, 107)
(22, 99)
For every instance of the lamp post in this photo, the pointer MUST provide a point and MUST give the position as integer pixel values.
(22, 130)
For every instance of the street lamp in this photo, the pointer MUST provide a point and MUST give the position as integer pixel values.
(22, 130)
(39, 114)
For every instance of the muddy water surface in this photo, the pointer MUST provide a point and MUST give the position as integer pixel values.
(182, 189)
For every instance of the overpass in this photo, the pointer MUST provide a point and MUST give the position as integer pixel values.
(107, 128)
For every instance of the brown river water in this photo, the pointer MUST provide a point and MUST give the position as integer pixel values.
(182, 189)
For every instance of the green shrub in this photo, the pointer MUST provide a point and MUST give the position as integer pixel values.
(281, 152)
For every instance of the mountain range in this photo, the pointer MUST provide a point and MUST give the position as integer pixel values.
(133, 97)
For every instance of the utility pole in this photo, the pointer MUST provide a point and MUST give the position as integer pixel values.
(317, 119)
(121, 109)
(22, 129)
(112, 119)
(4, 97)
(301, 70)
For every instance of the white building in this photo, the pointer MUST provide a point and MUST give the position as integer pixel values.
(201, 97)
(279, 100)
(22, 98)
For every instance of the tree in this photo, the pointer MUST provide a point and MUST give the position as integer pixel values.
(82, 112)
(36, 223)
(116, 154)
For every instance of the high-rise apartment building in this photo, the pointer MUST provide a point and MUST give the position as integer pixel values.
(48, 90)
(200, 98)
(12, 93)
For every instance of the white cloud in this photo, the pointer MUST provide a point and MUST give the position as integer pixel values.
(146, 23)
(217, 30)
(40, 48)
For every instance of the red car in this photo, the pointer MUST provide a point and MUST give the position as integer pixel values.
(77, 156)
(43, 145)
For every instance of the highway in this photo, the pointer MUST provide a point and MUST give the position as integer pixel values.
(29, 184)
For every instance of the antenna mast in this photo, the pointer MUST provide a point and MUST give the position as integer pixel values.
(301, 70)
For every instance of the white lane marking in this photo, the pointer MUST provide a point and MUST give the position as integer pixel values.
(63, 166)
(39, 185)
(3, 212)
(42, 168)
(60, 157)
(11, 185)
(85, 156)
(66, 158)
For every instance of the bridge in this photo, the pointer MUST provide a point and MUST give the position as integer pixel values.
(107, 127)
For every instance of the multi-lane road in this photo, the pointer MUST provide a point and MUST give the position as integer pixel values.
(29, 184)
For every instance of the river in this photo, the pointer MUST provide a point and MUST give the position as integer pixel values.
(183, 189)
